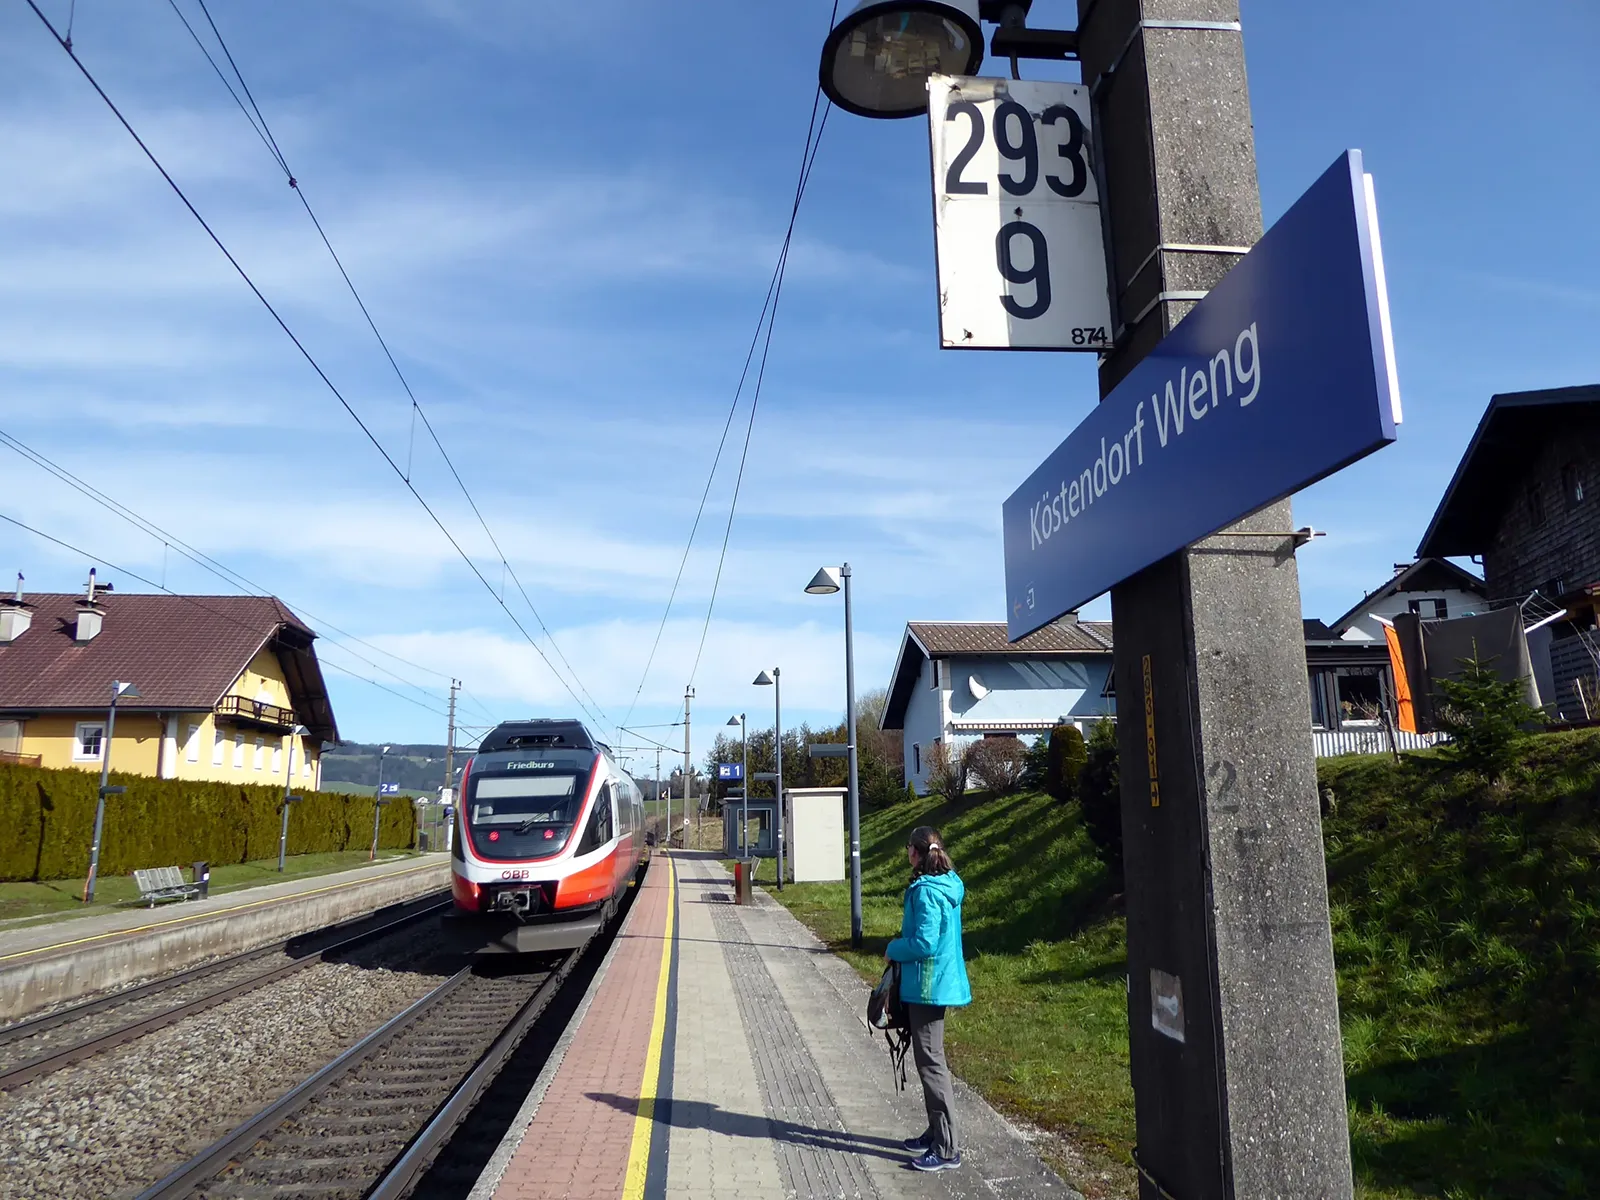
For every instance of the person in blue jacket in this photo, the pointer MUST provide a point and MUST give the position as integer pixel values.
(933, 978)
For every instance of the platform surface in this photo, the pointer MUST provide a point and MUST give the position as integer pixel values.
(69, 935)
(721, 1054)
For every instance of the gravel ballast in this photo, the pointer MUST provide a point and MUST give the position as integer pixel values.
(115, 1123)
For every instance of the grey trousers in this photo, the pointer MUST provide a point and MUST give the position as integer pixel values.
(938, 1093)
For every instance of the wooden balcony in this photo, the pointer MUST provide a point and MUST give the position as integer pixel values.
(257, 713)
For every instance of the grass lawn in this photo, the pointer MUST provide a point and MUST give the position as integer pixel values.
(1046, 1037)
(1466, 922)
(58, 899)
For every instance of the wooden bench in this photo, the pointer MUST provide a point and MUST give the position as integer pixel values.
(163, 883)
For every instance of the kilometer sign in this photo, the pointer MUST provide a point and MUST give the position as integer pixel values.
(1016, 214)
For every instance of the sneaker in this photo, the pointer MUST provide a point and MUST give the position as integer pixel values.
(920, 1144)
(932, 1162)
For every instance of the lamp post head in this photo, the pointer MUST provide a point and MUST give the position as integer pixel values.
(824, 583)
(299, 731)
(766, 678)
(123, 691)
(877, 60)
(386, 749)
(736, 720)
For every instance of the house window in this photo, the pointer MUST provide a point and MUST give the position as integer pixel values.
(934, 673)
(261, 751)
(191, 744)
(238, 752)
(916, 759)
(277, 759)
(10, 737)
(219, 749)
(1319, 702)
(1571, 486)
(1360, 694)
(305, 765)
(87, 741)
(1535, 505)
(1431, 609)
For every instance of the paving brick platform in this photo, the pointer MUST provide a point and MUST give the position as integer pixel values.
(720, 1054)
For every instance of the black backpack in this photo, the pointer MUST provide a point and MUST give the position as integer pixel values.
(886, 1011)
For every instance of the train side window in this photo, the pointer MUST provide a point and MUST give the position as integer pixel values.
(598, 832)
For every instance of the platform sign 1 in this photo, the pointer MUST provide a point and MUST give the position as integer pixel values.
(1282, 375)
(734, 771)
(1016, 216)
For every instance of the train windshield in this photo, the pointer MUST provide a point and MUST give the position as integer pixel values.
(524, 815)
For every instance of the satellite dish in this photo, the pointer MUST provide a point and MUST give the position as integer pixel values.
(976, 686)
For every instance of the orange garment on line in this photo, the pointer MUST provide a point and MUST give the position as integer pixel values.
(1402, 685)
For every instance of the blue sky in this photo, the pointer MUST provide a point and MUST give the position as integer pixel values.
(564, 223)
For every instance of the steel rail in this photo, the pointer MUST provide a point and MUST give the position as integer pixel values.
(203, 1166)
(78, 1051)
(418, 1156)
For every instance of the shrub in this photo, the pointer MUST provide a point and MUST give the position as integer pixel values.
(1100, 795)
(49, 818)
(1486, 717)
(1064, 761)
(1037, 767)
(947, 771)
(999, 764)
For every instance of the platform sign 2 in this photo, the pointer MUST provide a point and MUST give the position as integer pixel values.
(1282, 375)
(1016, 216)
(388, 789)
(730, 771)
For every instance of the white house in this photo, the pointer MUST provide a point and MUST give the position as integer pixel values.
(957, 681)
(1433, 588)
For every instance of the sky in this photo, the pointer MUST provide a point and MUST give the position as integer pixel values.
(564, 219)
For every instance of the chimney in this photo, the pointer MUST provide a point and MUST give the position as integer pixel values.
(15, 616)
(90, 615)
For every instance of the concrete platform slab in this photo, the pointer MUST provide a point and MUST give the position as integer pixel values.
(51, 964)
(720, 1054)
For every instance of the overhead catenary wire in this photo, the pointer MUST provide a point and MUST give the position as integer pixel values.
(774, 286)
(205, 561)
(258, 122)
(304, 352)
(197, 602)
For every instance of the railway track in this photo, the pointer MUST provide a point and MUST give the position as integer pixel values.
(419, 1101)
(38, 1046)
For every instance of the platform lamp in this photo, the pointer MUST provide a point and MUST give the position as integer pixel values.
(773, 679)
(876, 61)
(295, 734)
(826, 582)
(119, 691)
(744, 787)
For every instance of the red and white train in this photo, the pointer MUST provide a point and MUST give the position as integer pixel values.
(549, 835)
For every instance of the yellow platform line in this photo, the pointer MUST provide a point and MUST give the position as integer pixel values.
(207, 915)
(644, 1122)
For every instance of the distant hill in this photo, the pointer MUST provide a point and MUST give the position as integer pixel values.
(416, 768)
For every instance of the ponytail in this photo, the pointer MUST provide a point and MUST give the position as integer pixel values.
(932, 859)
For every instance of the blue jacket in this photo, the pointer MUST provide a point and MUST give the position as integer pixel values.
(929, 945)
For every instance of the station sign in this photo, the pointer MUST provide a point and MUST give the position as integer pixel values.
(1016, 216)
(1281, 376)
(733, 771)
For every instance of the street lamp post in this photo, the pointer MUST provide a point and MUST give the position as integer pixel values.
(295, 734)
(119, 691)
(377, 803)
(774, 679)
(744, 787)
(824, 583)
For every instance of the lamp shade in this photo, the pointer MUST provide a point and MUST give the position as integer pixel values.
(124, 691)
(764, 679)
(825, 582)
(876, 61)
(736, 720)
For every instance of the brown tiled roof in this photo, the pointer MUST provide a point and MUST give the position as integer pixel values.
(182, 652)
(989, 637)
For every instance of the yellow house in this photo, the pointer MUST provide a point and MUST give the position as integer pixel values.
(229, 686)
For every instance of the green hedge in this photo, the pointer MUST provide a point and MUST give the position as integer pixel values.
(47, 823)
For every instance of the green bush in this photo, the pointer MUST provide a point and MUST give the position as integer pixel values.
(48, 816)
(1486, 717)
(1100, 794)
(1064, 760)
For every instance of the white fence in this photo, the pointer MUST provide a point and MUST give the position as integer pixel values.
(1332, 742)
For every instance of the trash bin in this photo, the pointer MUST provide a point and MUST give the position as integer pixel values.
(202, 879)
(741, 880)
